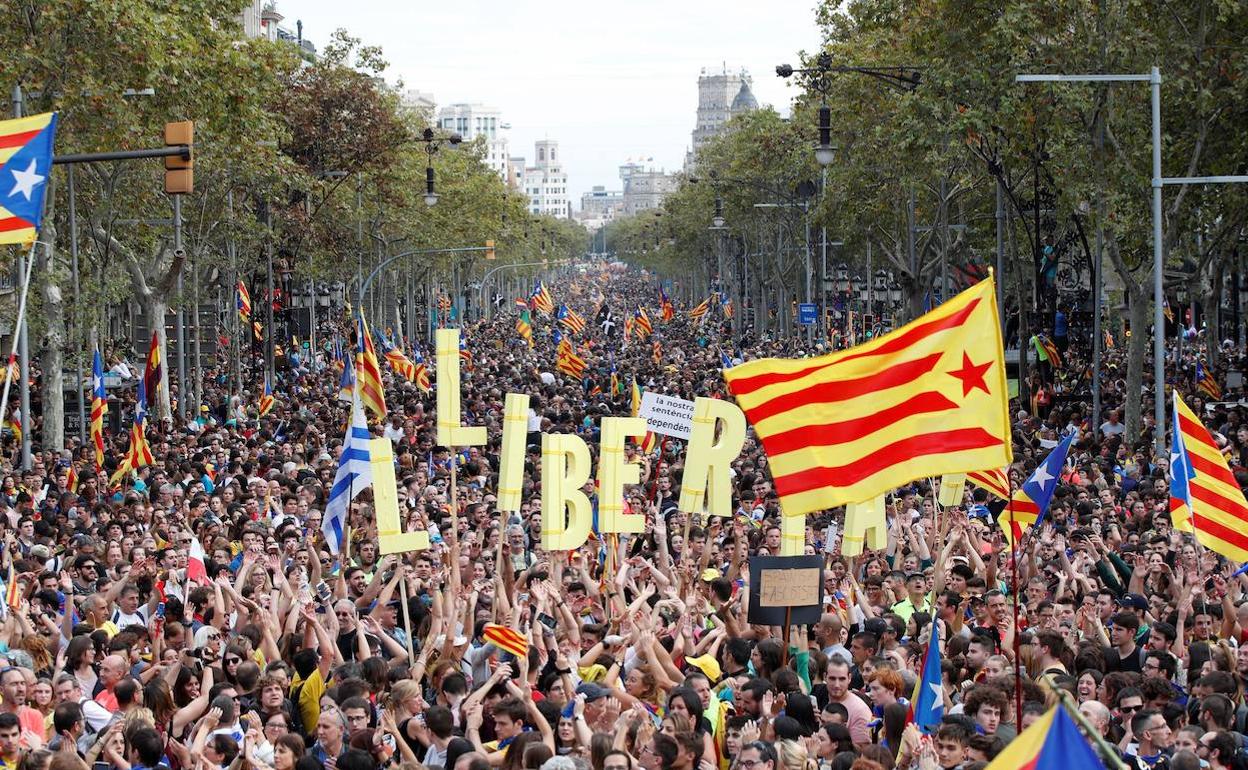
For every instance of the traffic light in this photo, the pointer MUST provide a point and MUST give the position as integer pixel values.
(489, 250)
(180, 169)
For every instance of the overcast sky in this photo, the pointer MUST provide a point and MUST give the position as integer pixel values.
(609, 80)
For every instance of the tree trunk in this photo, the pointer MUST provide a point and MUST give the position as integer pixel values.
(1137, 352)
(52, 352)
(1211, 301)
(154, 309)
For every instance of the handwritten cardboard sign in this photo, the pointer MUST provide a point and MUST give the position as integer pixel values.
(786, 585)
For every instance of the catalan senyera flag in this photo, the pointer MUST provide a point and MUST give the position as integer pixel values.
(701, 309)
(99, 408)
(368, 373)
(925, 400)
(1206, 384)
(570, 363)
(25, 167)
(71, 479)
(507, 639)
(267, 400)
(666, 311)
(465, 355)
(1217, 511)
(656, 352)
(12, 591)
(242, 301)
(994, 481)
(648, 441)
(151, 371)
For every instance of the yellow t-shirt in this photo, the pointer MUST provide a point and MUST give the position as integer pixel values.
(309, 703)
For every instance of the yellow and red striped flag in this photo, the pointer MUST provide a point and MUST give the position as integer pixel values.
(267, 401)
(925, 400)
(701, 310)
(1219, 512)
(368, 373)
(641, 323)
(139, 453)
(25, 168)
(506, 639)
(994, 481)
(99, 408)
(648, 441)
(151, 371)
(242, 301)
(12, 591)
(401, 364)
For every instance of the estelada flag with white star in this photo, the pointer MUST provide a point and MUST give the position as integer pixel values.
(927, 704)
(925, 400)
(1031, 501)
(1205, 497)
(25, 165)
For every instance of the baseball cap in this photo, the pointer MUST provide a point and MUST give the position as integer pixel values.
(1134, 601)
(592, 691)
(707, 665)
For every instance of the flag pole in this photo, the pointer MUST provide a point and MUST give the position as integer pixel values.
(1108, 753)
(1018, 676)
(407, 615)
(8, 374)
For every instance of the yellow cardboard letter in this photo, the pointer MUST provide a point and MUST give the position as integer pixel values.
(952, 488)
(614, 473)
(450, 432)
(792, 535)
(390, 535)
(566, 513)
(864, 524)
(707, 479)
(511, 462)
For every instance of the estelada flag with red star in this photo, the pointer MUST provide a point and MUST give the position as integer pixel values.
(925, 400)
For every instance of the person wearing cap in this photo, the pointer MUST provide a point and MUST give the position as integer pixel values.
(596, 715)
(916, 597)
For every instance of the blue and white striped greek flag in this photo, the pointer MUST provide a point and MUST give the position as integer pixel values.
(354, 474)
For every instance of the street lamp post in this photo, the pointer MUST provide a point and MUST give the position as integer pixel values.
(432, 142)
(819, 78)
(1153, 78)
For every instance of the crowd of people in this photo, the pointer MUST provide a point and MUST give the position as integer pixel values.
(288, 655)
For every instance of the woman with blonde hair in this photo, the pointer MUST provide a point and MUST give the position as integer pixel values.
(402, 707)
(790, 755)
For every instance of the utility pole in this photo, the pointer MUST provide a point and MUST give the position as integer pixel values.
(73, 257)
(179, 320)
